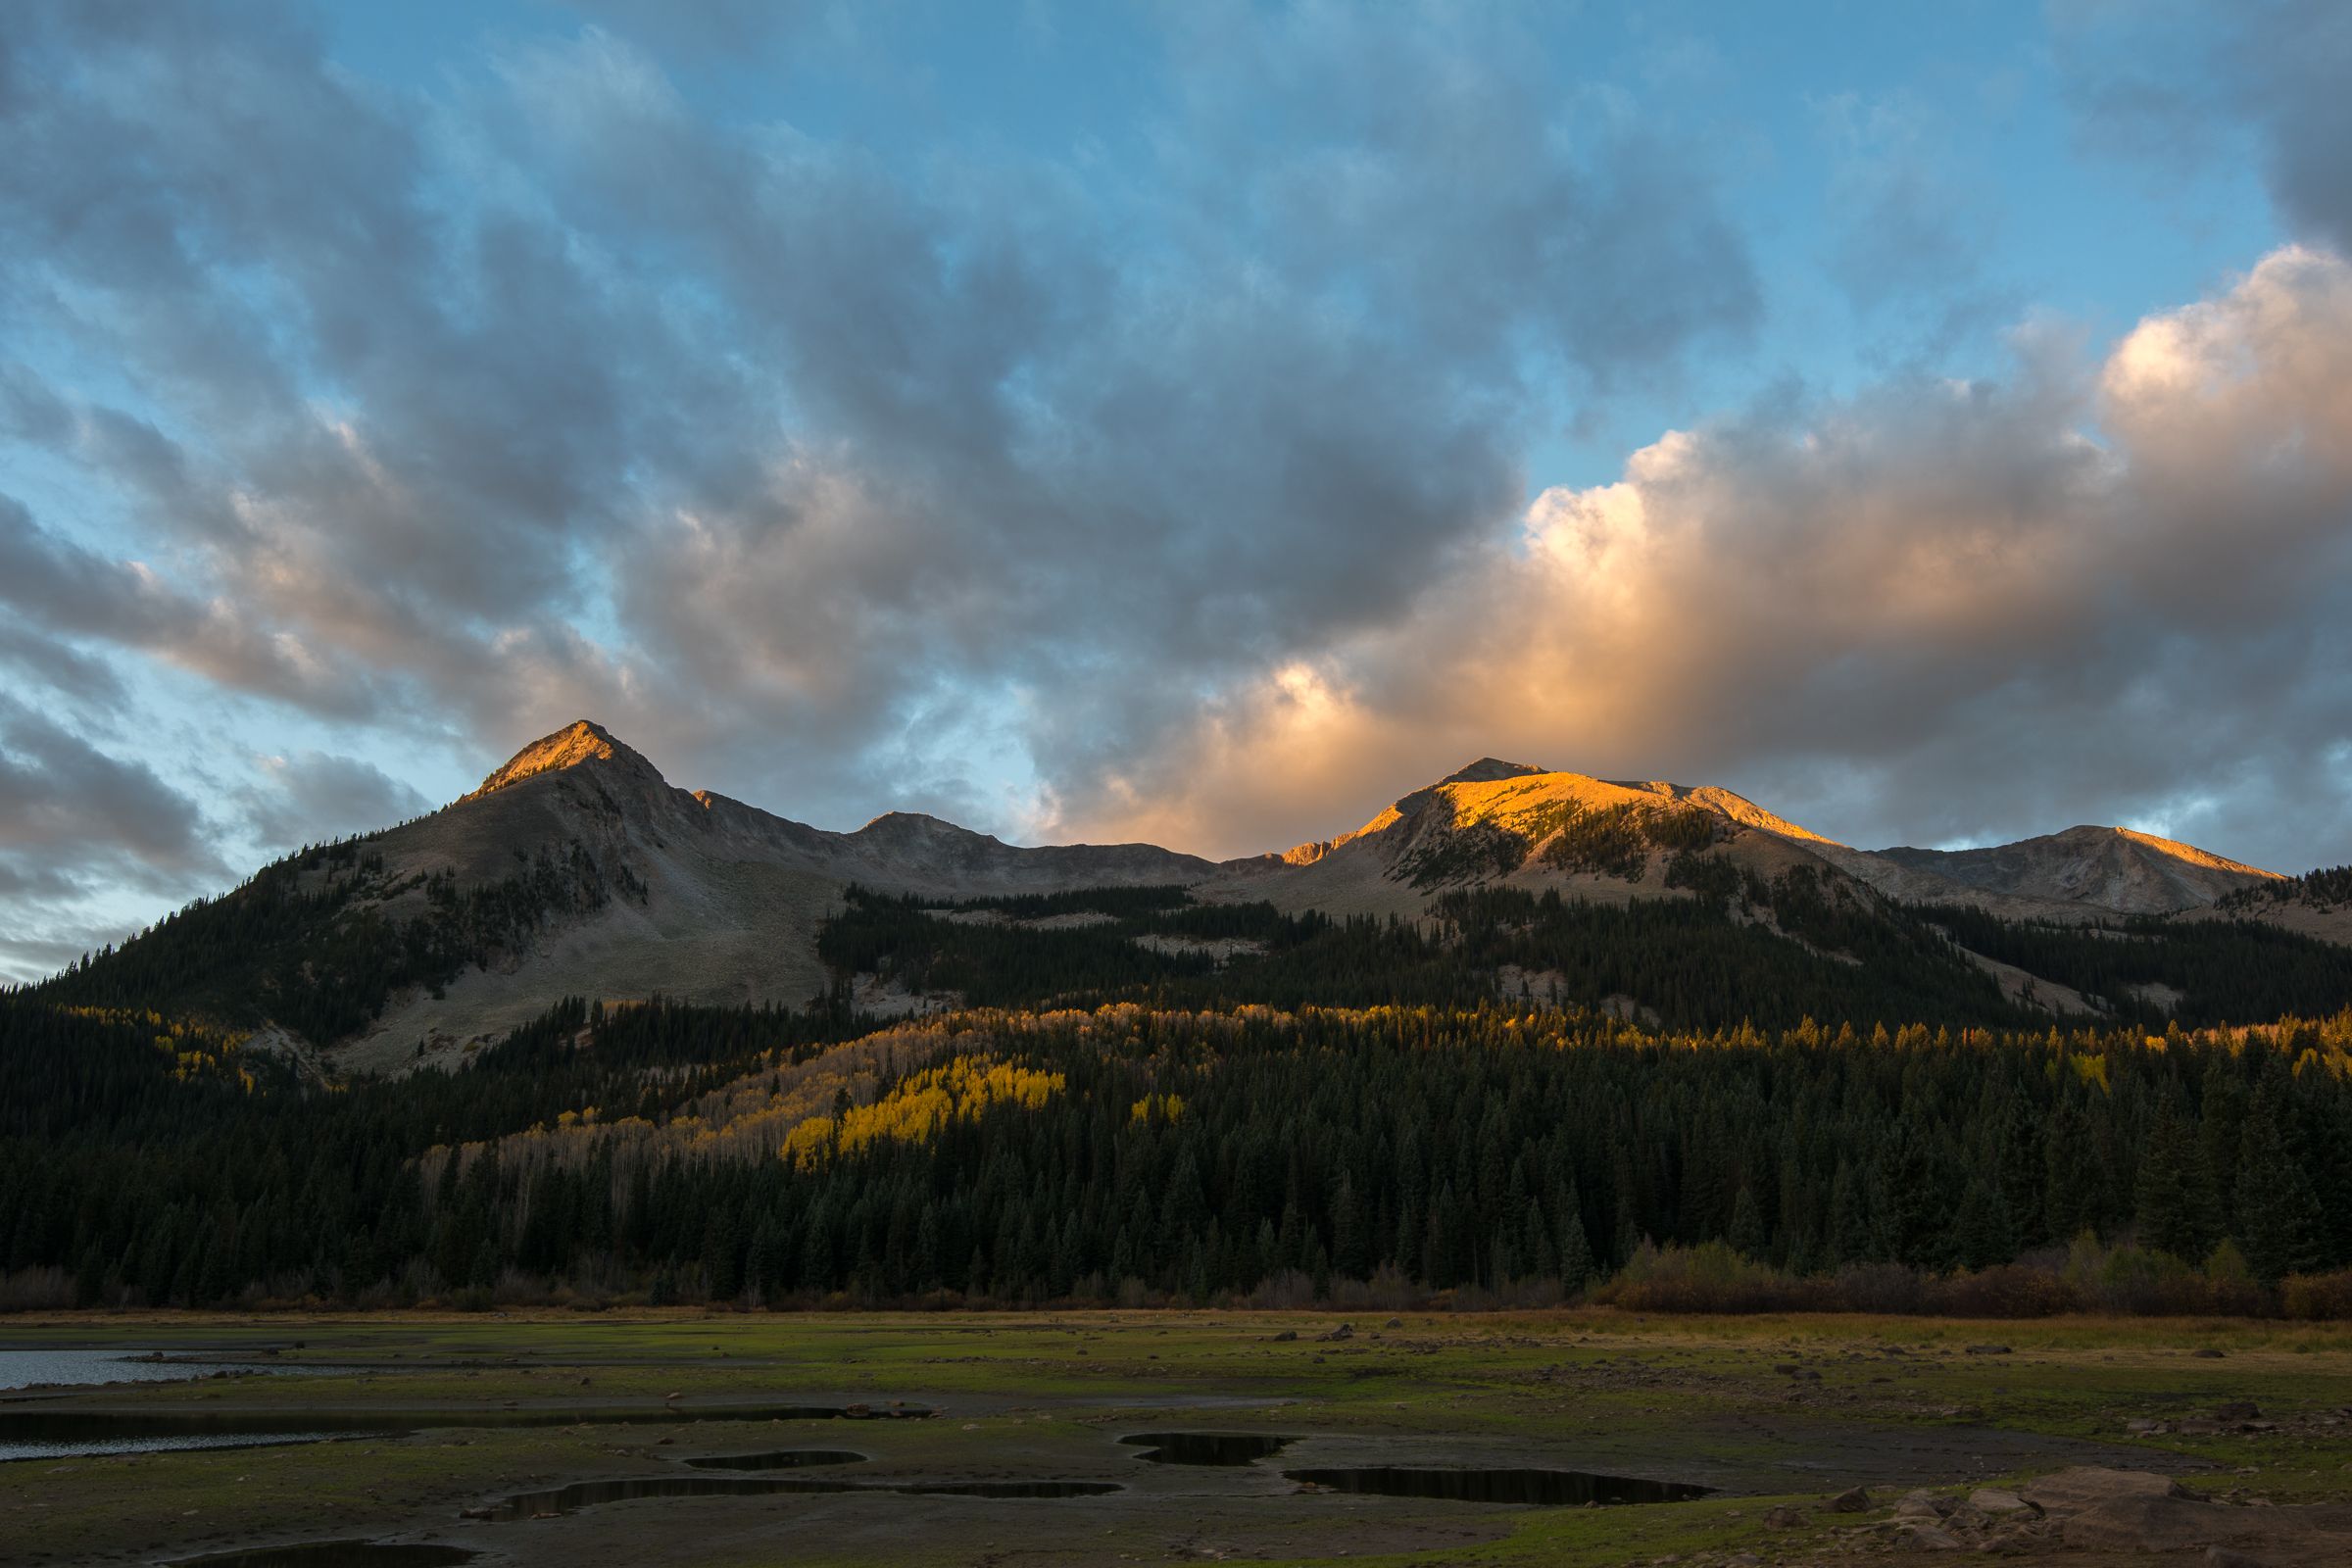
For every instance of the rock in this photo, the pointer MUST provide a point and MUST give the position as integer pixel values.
(1344, 1331)
(2207, 1353)
(2142, 1524)
(2069, 1492)
(1989, 1349)
(2237, 1410)
(1286, 1336)
(1393, 1323)
(1922, 1505)
(1987, 1500)
(1783, 1518)
(1854, 1500)
(1926, 1537)
(2142, 1426)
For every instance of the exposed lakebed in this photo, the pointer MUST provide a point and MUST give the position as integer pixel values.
(1542, 1487)
(56, 1434)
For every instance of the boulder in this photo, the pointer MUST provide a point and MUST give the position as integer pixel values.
(1990, 1500)
(1926, 1537)
(2088, 1486)
(1851, 1501)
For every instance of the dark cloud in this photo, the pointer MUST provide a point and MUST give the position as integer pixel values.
(72, 816)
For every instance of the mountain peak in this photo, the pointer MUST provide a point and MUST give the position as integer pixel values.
(580, 742)
(1489, 769)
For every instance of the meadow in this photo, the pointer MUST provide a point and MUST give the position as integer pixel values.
(1777, 1415)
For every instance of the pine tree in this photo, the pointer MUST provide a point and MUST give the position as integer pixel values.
(2174, 1205)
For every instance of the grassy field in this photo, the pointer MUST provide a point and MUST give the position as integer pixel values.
(1775, 1412)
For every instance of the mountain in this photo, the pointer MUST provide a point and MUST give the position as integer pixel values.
(2110, 868)
(576, 869)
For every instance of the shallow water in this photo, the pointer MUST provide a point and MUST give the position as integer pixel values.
(331, 1554)
(776, 1460)
(588, 1493)
(23, 1369)
(1207, 1447)
(1548, 1487)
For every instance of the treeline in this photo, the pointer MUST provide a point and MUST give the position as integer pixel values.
(1163, 1154)
(320, 941)
(2325, 889)
(2200, 972)
(1694, 962)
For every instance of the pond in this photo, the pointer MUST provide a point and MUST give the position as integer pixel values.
(588, 1493)
(1207, 1447)
(26, 1369)
(776, 1460)
(334, 1554)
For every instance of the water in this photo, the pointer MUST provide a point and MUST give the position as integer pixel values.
(24, 1369)
(1548, 1487)
(54, 1434)
(776, 1459)
(1208, 1448)
(335, 1554)
(589, 1494)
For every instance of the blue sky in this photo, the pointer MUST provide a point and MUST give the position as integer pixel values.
(1200, 423)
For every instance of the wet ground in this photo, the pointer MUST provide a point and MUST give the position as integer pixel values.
(1574, 1437)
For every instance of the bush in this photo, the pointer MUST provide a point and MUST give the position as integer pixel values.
(1707, 1278)
(2317, 1296)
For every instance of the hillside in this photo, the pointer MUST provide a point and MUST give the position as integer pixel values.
(2111, 868)
(604, 879)
(576, 869)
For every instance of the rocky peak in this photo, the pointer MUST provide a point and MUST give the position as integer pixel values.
(577, 744)
(1488, 770)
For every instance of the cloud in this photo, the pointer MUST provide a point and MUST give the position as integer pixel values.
(2186, 83)
(545, 393)
(1933, 610)
(313, 797)
(76, 823)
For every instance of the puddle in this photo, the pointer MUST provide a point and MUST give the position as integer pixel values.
(330, 1554)
(776, 1459)
(55, 1433)
(588, 1493)
(1548, 1487)
(1207, 1447)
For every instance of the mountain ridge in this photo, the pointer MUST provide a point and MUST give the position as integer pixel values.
(604, 879)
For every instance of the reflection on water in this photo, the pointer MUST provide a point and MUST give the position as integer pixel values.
(588, 1493)
(1552, 1487)
(24, 1369)
(334, 1554)
(1207, 1447)
(776, 1460)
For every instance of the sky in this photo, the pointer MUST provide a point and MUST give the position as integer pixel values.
(1200, 423)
